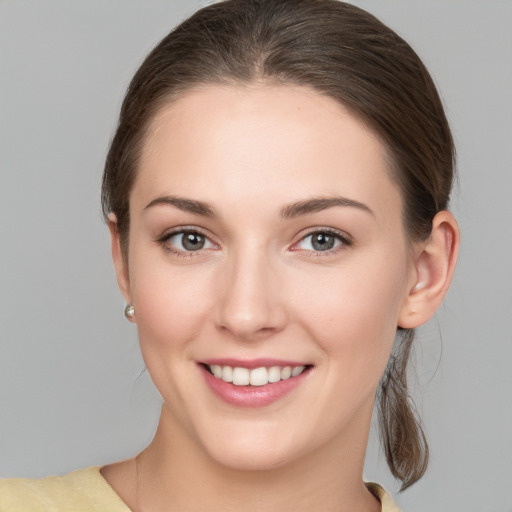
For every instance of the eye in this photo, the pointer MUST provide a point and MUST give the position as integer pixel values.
(187, 241)
(322, 241)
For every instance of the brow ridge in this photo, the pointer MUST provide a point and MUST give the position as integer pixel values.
(187, 205)
(317, 204)
(292, 210)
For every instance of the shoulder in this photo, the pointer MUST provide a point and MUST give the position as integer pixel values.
(388, 505)
(81, 491)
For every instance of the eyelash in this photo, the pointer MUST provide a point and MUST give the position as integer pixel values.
(344, 242)
(343, 238)
(164, 239)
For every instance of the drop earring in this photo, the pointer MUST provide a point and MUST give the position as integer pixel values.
(129, 311)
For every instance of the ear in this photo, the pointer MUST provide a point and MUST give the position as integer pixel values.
(434, 265)
(120, 265)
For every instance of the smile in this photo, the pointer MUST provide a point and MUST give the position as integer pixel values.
(253, 383)
(261, 376)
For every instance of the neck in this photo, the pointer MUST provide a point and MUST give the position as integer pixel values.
(174, 473)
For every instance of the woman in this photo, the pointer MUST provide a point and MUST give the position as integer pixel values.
(276, 194)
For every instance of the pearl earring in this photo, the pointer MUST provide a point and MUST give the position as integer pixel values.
(129, 311)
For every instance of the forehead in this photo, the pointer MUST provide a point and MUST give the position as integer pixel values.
(278, 142)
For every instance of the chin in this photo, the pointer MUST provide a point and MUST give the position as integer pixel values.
(256, 449)
(248, 458)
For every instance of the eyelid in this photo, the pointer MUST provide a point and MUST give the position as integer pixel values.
(345, 238)
(167, 235)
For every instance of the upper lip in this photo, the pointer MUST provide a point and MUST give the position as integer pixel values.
(252, 363)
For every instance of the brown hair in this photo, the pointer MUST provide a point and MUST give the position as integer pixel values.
(340, 51)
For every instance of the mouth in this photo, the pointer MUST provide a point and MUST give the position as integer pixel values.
(261, 376)
(256, 383)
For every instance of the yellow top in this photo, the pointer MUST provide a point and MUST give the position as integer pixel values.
(87, 491)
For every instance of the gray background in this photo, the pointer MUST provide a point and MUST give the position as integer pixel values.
(72, 387)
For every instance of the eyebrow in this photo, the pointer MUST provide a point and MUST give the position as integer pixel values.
(318, 204)
(187, 205)
(289, 211)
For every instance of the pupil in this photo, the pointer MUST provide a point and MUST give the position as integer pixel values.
(323, 242)
(193, 241)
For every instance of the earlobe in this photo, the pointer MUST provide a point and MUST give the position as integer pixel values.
(120, 265)
(434, 265)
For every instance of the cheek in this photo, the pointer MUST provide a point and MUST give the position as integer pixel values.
(171, 305)
(355, 321)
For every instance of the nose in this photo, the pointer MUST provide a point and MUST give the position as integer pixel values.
(251, 302)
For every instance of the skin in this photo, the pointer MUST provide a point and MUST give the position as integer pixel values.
(259, 289)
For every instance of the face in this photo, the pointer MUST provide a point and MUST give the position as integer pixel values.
(266, 239)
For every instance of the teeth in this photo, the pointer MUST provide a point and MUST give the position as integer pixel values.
(297, 370)
(286, 372)
(216, 370)
(274, 374)
(227, 374)
(256, 377)
(240, 376)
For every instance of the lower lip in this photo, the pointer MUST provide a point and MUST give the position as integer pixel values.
(251, 396)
